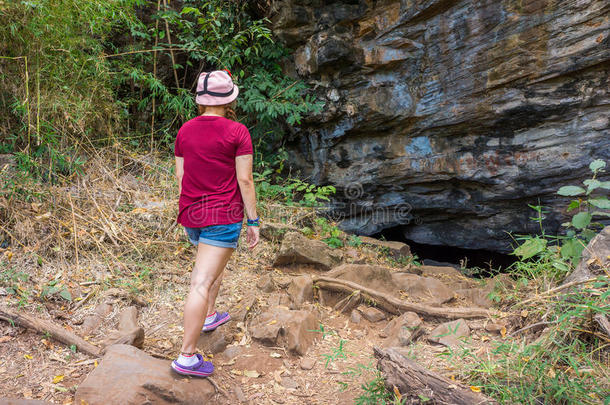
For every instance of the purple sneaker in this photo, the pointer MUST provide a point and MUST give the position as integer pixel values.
(221, 318)
(199, 369)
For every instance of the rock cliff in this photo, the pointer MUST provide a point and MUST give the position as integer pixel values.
(446, 117)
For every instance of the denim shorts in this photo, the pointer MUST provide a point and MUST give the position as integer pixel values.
(224, 236)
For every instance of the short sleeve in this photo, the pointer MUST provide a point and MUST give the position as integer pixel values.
(177, 147)
(244, 142)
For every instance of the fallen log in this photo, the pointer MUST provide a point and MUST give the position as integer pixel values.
(396, 306)
(414, 381)
(43, 326)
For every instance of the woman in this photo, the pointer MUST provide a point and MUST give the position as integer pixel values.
(214, 171)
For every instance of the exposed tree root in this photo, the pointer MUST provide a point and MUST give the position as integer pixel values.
(396, 306)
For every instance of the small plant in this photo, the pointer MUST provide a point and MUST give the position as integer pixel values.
(11, 280)
(332, 235)
(354, 240)
(337, 353)
(580, 228)
(323, 331)
(555, 256)
(54, 287)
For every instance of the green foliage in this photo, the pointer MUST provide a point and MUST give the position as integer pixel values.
(74, 74)
(55, 288)
(555, 256)
(337, 353)
(588, 206)
(331, 235)
(290, 191)
(354, 240)
(12, 280)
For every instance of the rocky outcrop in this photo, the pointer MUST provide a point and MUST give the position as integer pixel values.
(129, 376)
(446, 117)
(298, 249)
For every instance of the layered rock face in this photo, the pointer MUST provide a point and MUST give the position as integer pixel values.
(446, 117)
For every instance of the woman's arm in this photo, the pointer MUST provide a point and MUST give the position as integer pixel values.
(243, 168)
(179, 172)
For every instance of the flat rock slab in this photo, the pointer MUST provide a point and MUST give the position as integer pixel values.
(426, 289)
(396, 249)
(129, 376)
(298, 249)
(10, 401)
(375, 277)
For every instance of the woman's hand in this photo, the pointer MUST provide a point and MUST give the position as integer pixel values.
(253, 236)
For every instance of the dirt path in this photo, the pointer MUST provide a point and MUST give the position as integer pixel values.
(37, 367)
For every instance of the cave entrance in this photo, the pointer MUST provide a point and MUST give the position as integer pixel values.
(486, 262)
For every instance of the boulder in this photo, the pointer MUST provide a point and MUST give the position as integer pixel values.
(232, 352)
(93, 321)
(395, 249)
(355, 317)
(595, 257)
(375, 277)
(294, 330)
(478, 296)
(275, 231)
(300, 290)
(450, 334)
(129, 331)
(129, 376)
(402, 330)
(371, 314)
(298, 249)
(427, 289)
(495, 327)
(307, 363)
(443, 119)
(214, 342)
(266, 283)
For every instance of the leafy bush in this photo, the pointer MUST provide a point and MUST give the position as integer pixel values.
(553, 255)
(290, 191)
(77, 73)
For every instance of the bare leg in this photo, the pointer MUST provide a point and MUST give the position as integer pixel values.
(213, 294)
(209, 264)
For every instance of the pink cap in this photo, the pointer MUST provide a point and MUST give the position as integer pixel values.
(216, 88)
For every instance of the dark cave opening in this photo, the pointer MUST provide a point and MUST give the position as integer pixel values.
(487, 262)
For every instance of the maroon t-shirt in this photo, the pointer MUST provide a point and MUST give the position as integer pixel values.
(210, 192)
